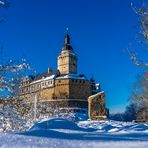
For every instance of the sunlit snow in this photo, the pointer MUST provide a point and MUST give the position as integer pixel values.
(57, 132)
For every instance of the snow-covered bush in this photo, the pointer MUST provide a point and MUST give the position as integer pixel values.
(10, 120)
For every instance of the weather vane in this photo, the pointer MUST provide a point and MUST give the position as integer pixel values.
(67, 30)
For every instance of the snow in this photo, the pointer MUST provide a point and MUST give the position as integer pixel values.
(57, 132)
(96, 94)
(2, 3)
(71, 76)
(73, 108)
(43, 79)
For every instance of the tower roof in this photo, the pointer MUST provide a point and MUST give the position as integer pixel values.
(67, 45)
(67, 39)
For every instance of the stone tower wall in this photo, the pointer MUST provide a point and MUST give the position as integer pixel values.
(61, 89)
(80, 89)
(67, 63)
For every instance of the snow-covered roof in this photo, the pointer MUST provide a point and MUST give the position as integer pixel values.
(72, 76)
(43, 79)
(97, 84)
(96, 94)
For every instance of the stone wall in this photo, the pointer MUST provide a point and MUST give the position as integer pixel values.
(44, 108)
(59, 107)
(96, 107)
(46, 94)
(67, 89)
(67, 63)
(79, 89)
(61, 89)
(63, 62)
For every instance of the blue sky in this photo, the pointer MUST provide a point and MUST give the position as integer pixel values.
(100, 31)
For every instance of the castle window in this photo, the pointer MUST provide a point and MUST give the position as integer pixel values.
(33, 87)
(59, 81)
(46, 83)
(42, 83)
(27, 89)
(49, 82)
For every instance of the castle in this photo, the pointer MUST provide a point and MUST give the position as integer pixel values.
(64, 87)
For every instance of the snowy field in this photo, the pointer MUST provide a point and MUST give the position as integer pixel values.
(61, 133)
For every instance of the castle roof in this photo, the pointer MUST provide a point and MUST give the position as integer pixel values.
(41, 75)
(71, 76)
(45, 74)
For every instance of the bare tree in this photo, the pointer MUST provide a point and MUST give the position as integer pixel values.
(11, 73)
(3, 4)
(142, 36)
(139, 97)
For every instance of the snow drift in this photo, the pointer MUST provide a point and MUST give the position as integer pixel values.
(57, 132)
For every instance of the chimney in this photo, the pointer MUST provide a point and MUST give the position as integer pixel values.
(49, 70)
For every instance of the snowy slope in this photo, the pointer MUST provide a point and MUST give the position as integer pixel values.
(62, 133)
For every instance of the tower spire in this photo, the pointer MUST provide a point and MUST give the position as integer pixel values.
(67, 37)
(67, 46)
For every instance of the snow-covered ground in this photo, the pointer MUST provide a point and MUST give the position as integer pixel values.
(61, 133)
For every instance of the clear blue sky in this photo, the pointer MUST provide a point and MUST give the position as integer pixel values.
(100, 32)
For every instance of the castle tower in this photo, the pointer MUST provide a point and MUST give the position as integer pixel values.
(67, 60)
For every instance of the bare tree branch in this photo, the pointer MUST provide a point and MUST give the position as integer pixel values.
(4, 4)
(142, 38)
(134, 58)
